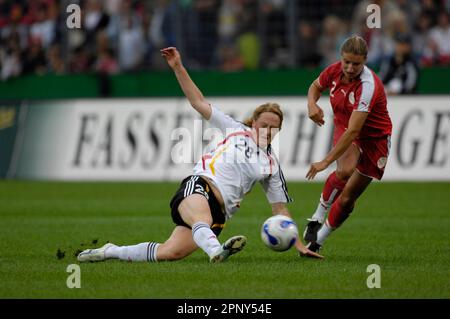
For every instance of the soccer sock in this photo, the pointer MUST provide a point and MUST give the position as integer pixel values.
(205, 238)
(140, 252)
(338, 214)
(332, 189)
(323, 233)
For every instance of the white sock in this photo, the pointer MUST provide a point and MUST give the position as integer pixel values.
(205, 238)
(320, 212)
(140, 252)
(323, 233)
(323, 207)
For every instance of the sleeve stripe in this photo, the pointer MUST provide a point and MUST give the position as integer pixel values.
(368, 89)
(318, 81)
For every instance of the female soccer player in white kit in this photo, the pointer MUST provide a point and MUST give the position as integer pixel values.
(206, 199)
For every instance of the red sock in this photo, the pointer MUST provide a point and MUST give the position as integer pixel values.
(338, 214)
(332, 189)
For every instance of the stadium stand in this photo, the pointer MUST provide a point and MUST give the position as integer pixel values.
(226, 36)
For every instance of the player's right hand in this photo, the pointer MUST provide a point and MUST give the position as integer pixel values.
(315, 113)
(310, 254)
(172, 56)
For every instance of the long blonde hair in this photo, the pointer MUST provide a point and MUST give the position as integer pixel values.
(266, 107)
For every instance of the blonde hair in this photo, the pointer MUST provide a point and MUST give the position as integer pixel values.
(355, 45)
(266, 107)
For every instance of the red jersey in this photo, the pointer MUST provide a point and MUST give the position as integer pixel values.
(366, 94)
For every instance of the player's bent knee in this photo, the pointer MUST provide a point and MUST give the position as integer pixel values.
(167, 252)
(171, 255)
(344, 174)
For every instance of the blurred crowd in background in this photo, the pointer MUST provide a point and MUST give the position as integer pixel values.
(119, 36)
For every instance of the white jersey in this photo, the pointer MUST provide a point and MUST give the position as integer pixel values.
(237, 163)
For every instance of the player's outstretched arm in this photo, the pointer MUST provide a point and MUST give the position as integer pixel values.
(281, 209)
(192, 92)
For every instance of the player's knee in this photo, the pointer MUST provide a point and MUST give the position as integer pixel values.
(167, 252)
(344, 173)
(173, 255)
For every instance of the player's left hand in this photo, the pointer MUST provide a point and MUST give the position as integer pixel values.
(316, 168)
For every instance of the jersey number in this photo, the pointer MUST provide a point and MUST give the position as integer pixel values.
(243, 146)
(333, 88)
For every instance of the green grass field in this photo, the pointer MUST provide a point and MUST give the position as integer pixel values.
(402, 227)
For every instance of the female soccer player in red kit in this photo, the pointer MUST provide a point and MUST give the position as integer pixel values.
(361, 141)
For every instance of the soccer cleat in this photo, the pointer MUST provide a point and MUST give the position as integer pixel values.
(232, 246)
(313, 246)
(310, 233)
(97, 254)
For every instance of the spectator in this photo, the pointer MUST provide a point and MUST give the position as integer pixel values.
(399, 73)
(14, 25)
(55, 61)
(44, 28)
(111, 7)
(307, 45)
(360, 15)
(438, 50)
(229, 24)
(5, 7)
(248, 42)
(411, 9)
(382, 43)
(274, 33)
(95, 18)
(34, 58)
(106, 62)
(131, 42)
(160, 33)
(431, 9)
(81, 60)
(230, 59)
(420, 36)
(10, 65)
(250, 48)
(330, 39)
(204, 28)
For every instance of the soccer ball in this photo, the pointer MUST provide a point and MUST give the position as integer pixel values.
(279, 232)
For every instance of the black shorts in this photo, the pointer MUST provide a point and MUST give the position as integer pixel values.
(194, 184)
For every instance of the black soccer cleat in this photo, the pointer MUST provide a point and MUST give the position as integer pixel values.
(313, 246)
(312, 228)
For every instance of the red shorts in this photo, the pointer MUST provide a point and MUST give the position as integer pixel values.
(374, 153)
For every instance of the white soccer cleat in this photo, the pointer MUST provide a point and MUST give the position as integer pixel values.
(232, 246)
(97, 254)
